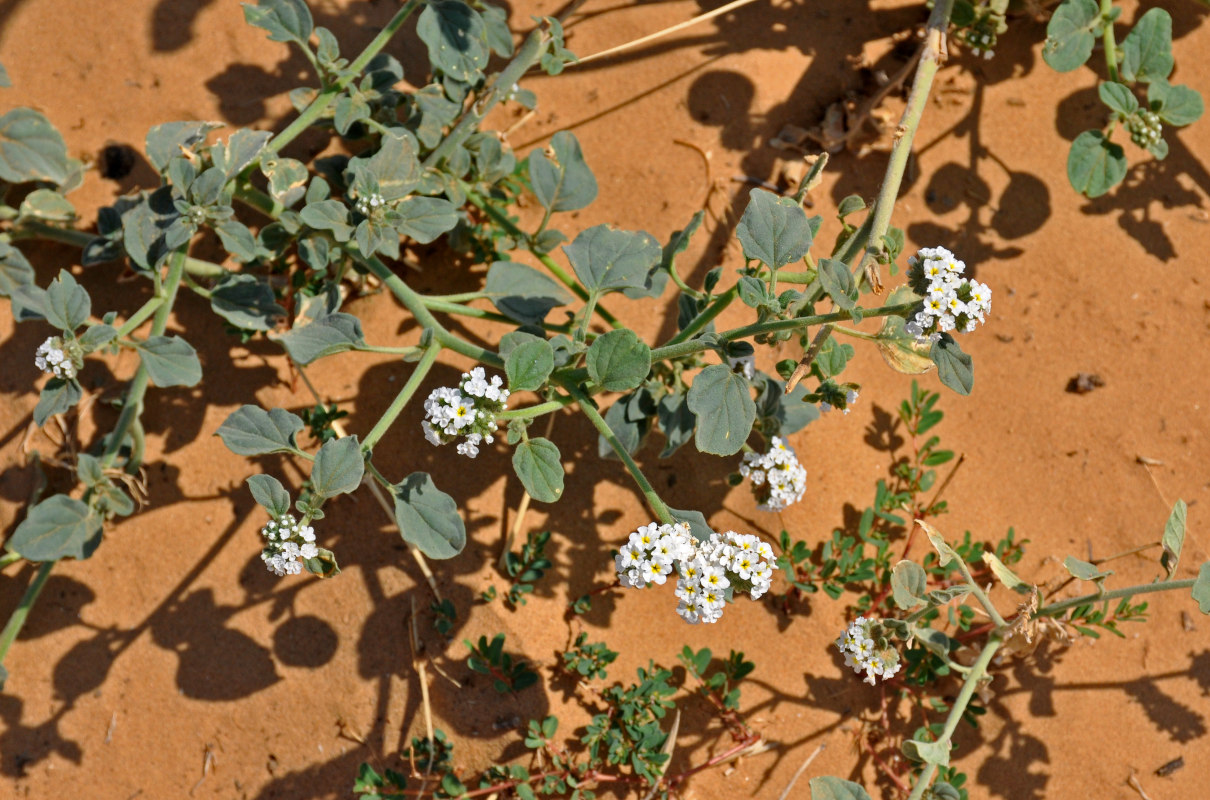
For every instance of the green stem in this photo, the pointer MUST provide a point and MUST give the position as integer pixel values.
(1055, 609)
(401, 400)
(682, 349)
(703, 319)
(1107, 38)
(325, 98)
(132, 404)
(69, 236)
(17, 619)
(653, 500)
(138, 317)
(930, 61)
(977, 671)
(9, 558)
(869, 337)
(529, 412)
(447, 307)
(980, 595)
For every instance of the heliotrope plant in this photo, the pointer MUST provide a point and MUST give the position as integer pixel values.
(418, 168)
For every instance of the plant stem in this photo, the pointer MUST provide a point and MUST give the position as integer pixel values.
(977, 671)
(401, 400)
(325, 98)
(930, 61)
(138, 317)
(653, 500)
(1146, 588)
(9, 558)
(703, 319)
(529, 412)
(17, 619)
(132, 404)
(70, 236)
(1107, 38)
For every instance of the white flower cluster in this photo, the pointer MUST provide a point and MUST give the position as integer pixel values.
(55, 357)
(850, 397)
(288, 545)
(1145, 128)
(951, 302)
(468, 412)
(708, 572)
(867, 650)
(368, 204)
(778, 479)
(981, 44)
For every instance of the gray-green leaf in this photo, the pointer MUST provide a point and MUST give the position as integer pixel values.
(909, 584)
(723, 404)
(828, 788)
(285, 20)
(560, 177)
(1069, 34)
(328, 215)
(1118, 97)
(1147, 49)
(428, 517)
(339, 467)
(455, 36)
(425, 218)
(58, 396)
(607, 259)
(31, 149)
(1174, 537)
(335, 333)
(1095, 165)
(522, 293)
(618, 361)
(538, 464)
(1175, 105)
(66, 305)
(58, 527)
(15, 269)
(246, 302)
(928, 752)
(164, 142)
(1084, 570)
(253, 431)
(170, 361)
(773, 229)
(837, 281)
(1201, 588)
(270, 494)
(954, 367)
(528, 365)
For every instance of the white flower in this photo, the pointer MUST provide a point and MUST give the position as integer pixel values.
(867, 649)
(288, 543)
(951, 302)
(52, 357)
(778, 478)
(466, 411)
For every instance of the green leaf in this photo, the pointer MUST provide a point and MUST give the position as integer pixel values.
(164, 142)
(253, 431)
(723, 404)
(456, 38)
(629, 430)
(46, 204)
(58, 527)
(1069, 34)
(618, 361)
(242, 149)
(335, 333)
(928, 752)
(945, 553)
(66, 305)
(1174, 538)
(1201, 588)
(338, 468)
(58, 396)
(31, 149)
(170, 361)
(425, 218)
(238, 239)
(773, 229)
(1084, 570)
(607, 259)
(270, 494)
(1001, 571)
(285, 20)
(538, 464)
(899, 348)
(837, 281)
(246, 302)
(909, 584)
(676, 421)
(144, 228)
(829, 788)
(5, 83)
(1118, 97)
(522, 293)
(696, 520)
(560, 177)
(1147, 49)
(97, 335)
(679, 241)
(287, 179)
(328, 215)
(428, 517)
(1175, 105)
(529, 364)
(393, 171)
(954, 367)
(15, 269)
(1095, 165)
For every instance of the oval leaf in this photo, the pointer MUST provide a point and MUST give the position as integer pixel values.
(270, 494)
(560, 177)
(170, 361)
(607, 259)
(528, 365)
(909, 584)
(538, 464)
(725, 411)
(1095, 165)
(58, 527)
(829, 788)
(618, 361)
(428, 517)
(253, 431)
(773, 229)
(334, 333)
(954, 367)
(339, 467)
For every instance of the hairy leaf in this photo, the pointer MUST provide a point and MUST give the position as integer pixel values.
(338, 468)
(773, 229)
(1147, 49)
(170, 361)
(1095, 165)
(334, 333)
(1069, 34)
(58, 527)
(538, 464)
(428, 517)
(618, 361)
(723, 404)
(253, 431)
(560, 177)
(607, 259)
(31, 149)
(522, 293)
(270, 494)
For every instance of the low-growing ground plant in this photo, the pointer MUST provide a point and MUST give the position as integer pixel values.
(418, 167)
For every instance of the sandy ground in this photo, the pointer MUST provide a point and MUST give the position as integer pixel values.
(173, 665)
